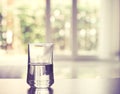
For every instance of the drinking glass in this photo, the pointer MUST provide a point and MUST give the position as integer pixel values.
(40, 65)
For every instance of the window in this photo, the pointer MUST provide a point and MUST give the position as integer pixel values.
(87, 26)
(74, 26)
(61, 26)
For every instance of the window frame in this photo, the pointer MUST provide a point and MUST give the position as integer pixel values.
(74, 36)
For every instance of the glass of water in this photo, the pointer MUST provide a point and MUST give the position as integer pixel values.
(40, 65)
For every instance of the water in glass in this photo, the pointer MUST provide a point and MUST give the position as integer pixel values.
(40, 75)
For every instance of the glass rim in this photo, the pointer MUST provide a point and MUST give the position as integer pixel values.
(41, 44)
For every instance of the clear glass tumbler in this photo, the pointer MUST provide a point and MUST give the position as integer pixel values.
(40, 65)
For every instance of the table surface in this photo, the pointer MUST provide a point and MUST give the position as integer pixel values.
(63, 86)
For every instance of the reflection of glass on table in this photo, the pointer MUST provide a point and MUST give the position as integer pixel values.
(40, 91)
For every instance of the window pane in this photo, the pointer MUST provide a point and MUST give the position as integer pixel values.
(87, 26)
(32, 20)
(61, 26)
(21, 23)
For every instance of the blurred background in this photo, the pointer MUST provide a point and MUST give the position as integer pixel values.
(86, 35)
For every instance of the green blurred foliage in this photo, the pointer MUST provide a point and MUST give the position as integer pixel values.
(32, 24)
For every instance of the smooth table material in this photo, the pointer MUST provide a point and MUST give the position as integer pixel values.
(63, 86)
